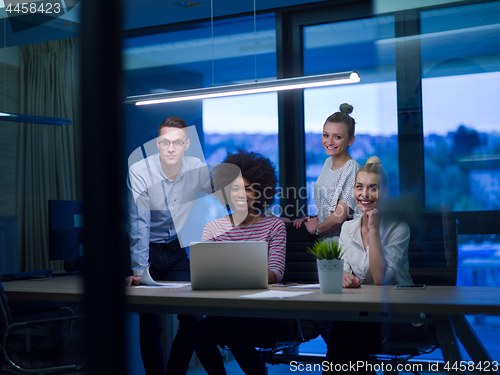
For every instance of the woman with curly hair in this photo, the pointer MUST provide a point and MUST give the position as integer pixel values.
(247, 196)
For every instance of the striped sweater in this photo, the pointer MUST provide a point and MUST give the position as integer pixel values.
(269, 229)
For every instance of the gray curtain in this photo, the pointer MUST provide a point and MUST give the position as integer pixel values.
(48, 159)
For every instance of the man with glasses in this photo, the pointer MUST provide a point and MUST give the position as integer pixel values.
(162, 190)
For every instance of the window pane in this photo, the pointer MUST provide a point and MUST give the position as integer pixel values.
(478, 260)
(191, 58)
(460, 86)
(479, 265)
(235, 123)
(366, 46)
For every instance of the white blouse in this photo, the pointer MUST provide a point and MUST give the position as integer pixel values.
(332, 186)
(394, 237)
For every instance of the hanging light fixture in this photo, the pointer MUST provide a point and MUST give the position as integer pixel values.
(246, 88)
(29, 119)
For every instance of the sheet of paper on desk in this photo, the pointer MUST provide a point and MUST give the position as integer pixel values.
(147, 280)
(308, 286)
(165, 285)
(275, 294)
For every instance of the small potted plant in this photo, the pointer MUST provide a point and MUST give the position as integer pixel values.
(328, 255)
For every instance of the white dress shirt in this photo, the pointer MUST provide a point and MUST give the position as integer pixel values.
(159, 206)
(394, 237)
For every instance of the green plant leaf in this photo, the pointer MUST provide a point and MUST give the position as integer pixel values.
(327, 249)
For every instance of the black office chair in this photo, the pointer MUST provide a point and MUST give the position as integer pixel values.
(278, 349)
(54, 354)
(300, 267)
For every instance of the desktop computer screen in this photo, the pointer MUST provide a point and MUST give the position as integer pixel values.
(65, 230)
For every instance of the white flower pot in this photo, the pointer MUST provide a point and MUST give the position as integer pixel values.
(331, 273)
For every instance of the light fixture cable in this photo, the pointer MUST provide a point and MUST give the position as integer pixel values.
(4, 62)
(255, 37)
(212, 28)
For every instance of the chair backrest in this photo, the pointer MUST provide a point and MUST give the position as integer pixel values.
(300, 266)
(51, 355)
(5, 313)
(433, 251)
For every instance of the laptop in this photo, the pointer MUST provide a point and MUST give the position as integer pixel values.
(228, 265)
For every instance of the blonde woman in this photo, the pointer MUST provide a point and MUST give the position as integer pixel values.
(376, 253)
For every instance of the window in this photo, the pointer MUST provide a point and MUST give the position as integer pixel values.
(461, 75)
(235, 123)
(478, 260)
(249, 122)
(187, 57)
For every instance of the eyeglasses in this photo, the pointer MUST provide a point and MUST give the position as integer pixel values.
(166, 144)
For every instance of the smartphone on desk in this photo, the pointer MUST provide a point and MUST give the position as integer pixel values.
(410, 286)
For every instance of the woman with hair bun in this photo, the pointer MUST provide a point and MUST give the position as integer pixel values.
(376, 253)
(333, 189)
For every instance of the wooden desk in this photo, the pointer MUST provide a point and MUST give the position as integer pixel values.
(445, 305)
(369, 298)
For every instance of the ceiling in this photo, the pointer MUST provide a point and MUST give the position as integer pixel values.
(141, 13)
(137, 14)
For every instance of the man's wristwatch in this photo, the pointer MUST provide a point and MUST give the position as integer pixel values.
(316, 230)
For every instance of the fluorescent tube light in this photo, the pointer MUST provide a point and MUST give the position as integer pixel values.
(246, 88)
(44, 120)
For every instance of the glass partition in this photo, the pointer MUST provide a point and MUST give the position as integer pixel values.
(460, 86)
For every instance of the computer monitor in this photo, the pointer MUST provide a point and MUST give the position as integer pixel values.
(65, 230)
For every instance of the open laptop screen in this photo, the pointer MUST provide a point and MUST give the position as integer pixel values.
(229, 265)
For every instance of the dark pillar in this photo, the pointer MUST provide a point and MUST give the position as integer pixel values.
(103, 186)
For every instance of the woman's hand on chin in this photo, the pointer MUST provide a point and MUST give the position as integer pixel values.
(373, 217)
